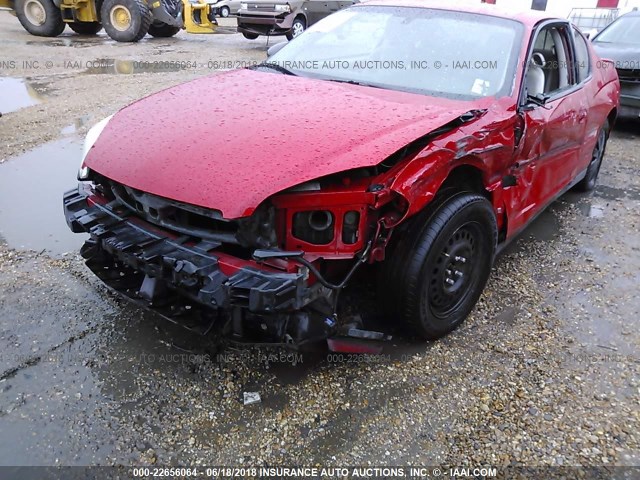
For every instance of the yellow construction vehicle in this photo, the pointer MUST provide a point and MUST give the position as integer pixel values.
(123, 20)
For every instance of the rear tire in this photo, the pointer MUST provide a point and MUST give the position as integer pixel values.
(85, 28)
(435, 274)
(224, 12)
(162, 30)
(588, 183)
(40, 17)
(250, 36)
(126, 20)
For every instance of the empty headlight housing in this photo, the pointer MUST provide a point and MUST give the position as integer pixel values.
(350, 224)
(282, 8)
(314, 226)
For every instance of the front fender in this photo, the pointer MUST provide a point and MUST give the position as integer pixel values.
(422, 180)
(489, 148)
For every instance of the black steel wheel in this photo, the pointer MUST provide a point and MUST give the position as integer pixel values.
(588, 183)
(454, 270)
(40, 17)
(436, 272)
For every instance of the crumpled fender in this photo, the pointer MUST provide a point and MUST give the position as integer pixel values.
(486, 143)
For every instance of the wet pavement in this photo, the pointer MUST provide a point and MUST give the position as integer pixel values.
(17, 94)
(544, 372)
(30, 202)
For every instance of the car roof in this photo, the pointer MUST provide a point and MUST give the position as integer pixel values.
(527, 17)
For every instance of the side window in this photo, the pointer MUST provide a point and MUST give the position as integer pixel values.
(548, 70)
(582, 55)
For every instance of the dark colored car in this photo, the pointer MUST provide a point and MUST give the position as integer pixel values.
(620, 42)
(416, 150)
(280, 17)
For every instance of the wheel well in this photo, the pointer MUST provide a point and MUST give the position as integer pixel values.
(465, 178)
(301, 16)
(613, 114)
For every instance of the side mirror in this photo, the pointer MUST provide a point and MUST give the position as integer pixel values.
(273, 49)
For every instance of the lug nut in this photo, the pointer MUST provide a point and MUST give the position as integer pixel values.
(449, 281)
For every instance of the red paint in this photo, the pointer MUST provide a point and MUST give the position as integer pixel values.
(263, 133)
(260, 134)
(607, 4)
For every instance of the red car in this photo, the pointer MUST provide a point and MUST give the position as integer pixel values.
(381, 135)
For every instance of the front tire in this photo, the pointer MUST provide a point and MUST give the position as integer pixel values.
(85, 28)
(250, 36)
(162, 30)
(588, 183)
(224, 12)
(40, 17)
(299, 25)
(126, 20)
(435, 274)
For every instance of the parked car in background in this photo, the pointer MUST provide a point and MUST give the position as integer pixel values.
(620, 42)
(380, 136)
(227, 7)
(279, 17)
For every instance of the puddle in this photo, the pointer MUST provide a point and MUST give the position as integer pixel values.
(75, 126)
(17, 94)
(71, 41)
(31, 188)
(110, 66)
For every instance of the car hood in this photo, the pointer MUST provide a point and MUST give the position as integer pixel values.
(618, 52)
(230, 141)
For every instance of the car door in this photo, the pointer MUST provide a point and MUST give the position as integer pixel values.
(234, 5)
(318, 9)
(553, 114)
(597, 111)
(347, 3)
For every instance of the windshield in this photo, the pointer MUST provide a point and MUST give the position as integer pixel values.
(623, 30)
(433, 52)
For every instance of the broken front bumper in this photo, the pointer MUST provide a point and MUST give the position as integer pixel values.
(177, 275)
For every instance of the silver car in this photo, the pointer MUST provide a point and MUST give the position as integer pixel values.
(284, 17)
(227, 7)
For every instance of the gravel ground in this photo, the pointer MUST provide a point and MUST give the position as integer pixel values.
(544, 372)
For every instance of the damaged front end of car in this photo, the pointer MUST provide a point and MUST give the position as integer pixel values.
(273, 277)
(263, 264)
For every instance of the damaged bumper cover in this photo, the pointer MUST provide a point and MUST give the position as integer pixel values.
(148, 265)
